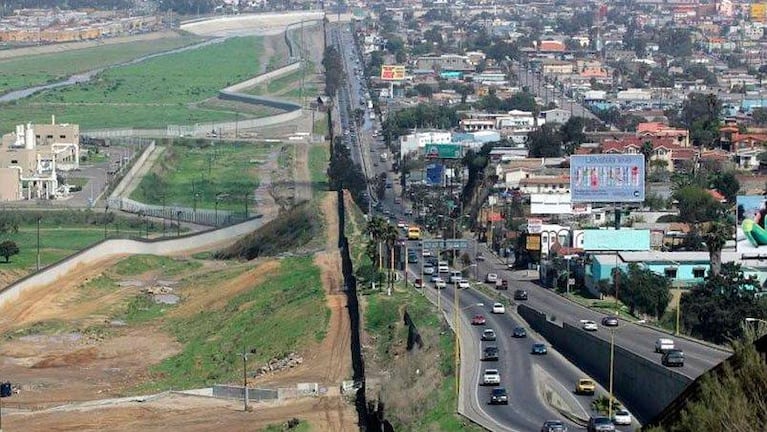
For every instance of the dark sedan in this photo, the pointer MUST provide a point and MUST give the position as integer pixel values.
(553, 426)
(539, 349)
(519, 332)
(490, 354)
(520, 295)
(610, 321)
(499, 396)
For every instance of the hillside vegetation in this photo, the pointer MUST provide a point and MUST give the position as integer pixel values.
(289, 231)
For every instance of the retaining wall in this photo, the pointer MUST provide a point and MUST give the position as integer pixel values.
(645, 386)
(115, 247)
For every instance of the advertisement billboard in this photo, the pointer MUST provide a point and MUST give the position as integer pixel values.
(534, 226)
(442, 151)
(616, 240)
(758, 12)
(435, 173)
(750, 232)
(560, 203)
(392, 72)
(607, 178)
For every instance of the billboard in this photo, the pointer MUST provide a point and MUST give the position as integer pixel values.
(607, 178)
(533, 242)
(442, 151)
(616, 240)
(758, 12)
(534, 226)
(750, 232)
(392, 72)
(549, 204)
(435, 173)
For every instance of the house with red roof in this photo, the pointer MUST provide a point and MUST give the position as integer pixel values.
(658, 129)
(662, 154)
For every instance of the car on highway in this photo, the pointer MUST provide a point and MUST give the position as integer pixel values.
(426, 253)
(442, 267)
(480, 257)
(491, 278)
(455, 276)
(428, 269)
(412, 258)
(663, 344)
(434, 278)
(490, 354)
(673, 357)
(478, 320)
(491, 377)
(519, 332)
(498, 308)
(585, 386)
(622, 417)
(440, 283)
(499, 396)
(553, 426)
(520, 295)
(463, 284)
(488, 335)
(589, 325)
(501, 284)
(610, 321)
(539, 349)
(418, 283)
(600, 424)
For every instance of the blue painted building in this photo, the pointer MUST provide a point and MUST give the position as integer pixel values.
(685, 269)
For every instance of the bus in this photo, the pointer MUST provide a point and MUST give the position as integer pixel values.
(414, 233)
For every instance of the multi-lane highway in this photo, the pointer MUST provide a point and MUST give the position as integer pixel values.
(636, 338)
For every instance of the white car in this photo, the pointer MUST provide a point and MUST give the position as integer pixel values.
(622, 417)
(491, 278)
(428, 270)
(498, 308)
(443, 268)
(426, 253)
(440, 283)
(463, 284)
(434, 278)
(589, 325)
(491, 377)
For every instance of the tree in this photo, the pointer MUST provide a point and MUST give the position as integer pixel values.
(730, 398)
(715, 237)
(644, 290)
(8, 223)
(714, 310)
(759, 115)
(8, 249)
(727, 184)
(696, 205)
(572, 132)
(424, 90)
(700, 114)
(545, 142)
(334, 71)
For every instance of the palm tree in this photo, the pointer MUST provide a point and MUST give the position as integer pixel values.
(390, 235)
(375, 228)
(715, 237)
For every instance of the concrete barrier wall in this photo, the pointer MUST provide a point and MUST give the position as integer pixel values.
(263, 77)
(237, 392)
(128, 177)
(645, 386)
(115, 247)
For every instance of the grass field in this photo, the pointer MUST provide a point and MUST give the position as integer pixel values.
(185, 170)
(153, 93)
(278, 316)
(319, 156)
(23, 72)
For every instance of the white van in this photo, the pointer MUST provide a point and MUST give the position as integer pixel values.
(442, 267)
(455, 276)
(663, 344)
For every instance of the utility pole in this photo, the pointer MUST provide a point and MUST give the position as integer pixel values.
(38, 243)
(244, 355)
(456, 305)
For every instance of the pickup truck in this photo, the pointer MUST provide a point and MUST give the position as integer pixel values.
(501, 284)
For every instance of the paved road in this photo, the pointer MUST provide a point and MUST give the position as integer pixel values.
(526, 377)
(636, 338)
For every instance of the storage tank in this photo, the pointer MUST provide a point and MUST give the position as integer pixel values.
(29, 140)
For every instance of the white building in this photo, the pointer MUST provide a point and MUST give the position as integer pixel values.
(414, 142)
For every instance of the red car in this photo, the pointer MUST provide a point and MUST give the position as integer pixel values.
(478, 320)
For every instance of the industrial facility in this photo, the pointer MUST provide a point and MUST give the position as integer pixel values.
(31, 156)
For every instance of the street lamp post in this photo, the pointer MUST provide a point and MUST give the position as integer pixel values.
(216, 212)
(38, 243)
(178, 223)
(106, 209)
(244, 356)
(612, 360)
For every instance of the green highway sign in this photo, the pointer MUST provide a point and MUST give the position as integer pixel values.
(445, 244)
(442, 151)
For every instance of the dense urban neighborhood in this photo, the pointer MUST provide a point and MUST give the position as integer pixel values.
(384, 215)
